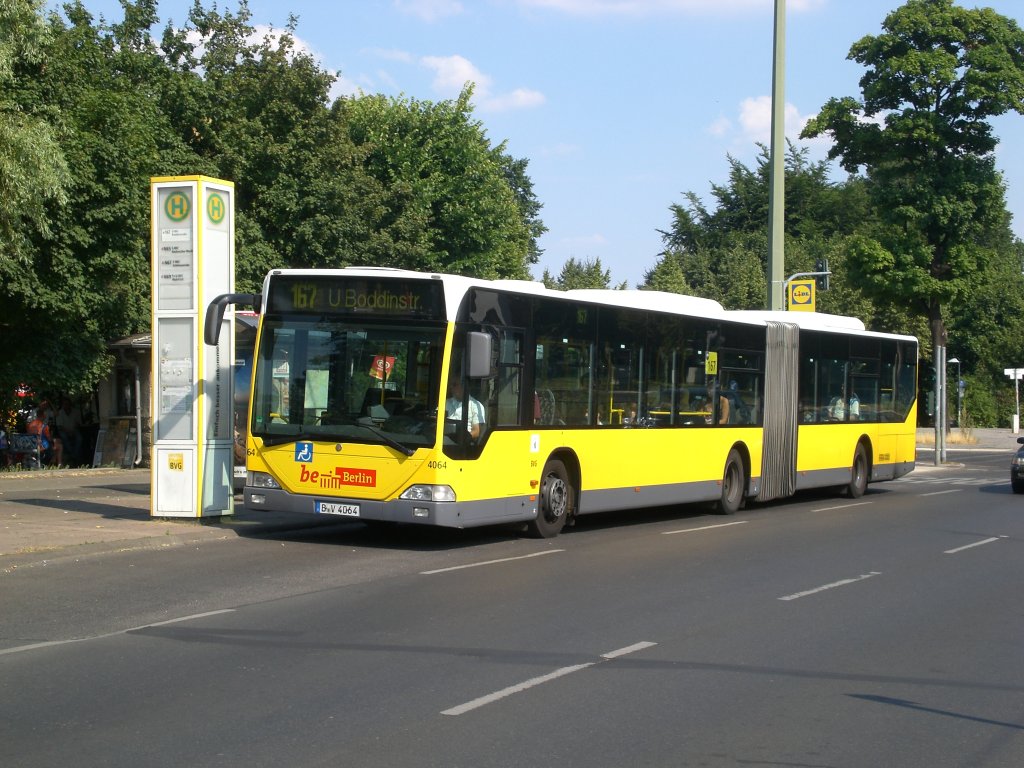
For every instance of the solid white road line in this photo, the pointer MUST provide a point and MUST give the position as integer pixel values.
(534, 681)
(491, 562)
(833, 585)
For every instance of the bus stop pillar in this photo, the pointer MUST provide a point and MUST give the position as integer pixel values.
(1015, 374)
(192, 235)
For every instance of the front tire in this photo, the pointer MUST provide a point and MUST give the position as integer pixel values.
(734, 484)
(858, 473)
(556, 501)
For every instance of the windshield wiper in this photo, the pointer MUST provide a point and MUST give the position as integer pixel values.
(278, 439)
(271, 440)
(391, 442)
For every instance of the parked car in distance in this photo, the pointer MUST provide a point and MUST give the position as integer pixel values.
(1017, 468)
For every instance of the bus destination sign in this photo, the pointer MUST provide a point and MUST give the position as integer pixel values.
(360, 296)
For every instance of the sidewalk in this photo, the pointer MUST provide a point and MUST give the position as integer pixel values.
(48, 514)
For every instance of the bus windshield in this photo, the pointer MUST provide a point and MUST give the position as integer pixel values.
(331, 380)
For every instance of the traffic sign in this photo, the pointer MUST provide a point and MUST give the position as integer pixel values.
(801, 296)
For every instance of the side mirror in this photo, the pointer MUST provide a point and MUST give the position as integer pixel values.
(215, 313)
(479, 347)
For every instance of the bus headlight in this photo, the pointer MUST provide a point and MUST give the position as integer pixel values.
(428, 493)
(261, 480)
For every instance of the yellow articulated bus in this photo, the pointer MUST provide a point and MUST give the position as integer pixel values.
(389, 395)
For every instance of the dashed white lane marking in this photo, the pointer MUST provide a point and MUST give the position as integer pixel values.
(535, 681)
(704, 528)
(833, 585)
(842, 506)
(939, 493)
(491, 562)
(628, 650)
(971, 546)
(20, 648)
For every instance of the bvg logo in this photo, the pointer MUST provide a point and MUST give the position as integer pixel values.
(365, 478)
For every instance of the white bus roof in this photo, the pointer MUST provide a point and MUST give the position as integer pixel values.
(655, 301)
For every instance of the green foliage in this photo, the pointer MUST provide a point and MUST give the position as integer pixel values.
(32, 169)
(579, 274)
(720, 252)
(934, 76)
(90, 112)
(448, 205)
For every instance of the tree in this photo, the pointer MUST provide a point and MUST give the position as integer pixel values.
(447, 202)
(935, 75)
(580, 274)
(258, 114)
(90, 111)
(33, 171)
(719, 252)
(83, 279)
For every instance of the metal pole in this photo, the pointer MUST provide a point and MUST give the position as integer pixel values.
(959, 395)
(777, 195)
(940, 405)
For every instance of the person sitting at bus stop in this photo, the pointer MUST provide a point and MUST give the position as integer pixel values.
(69, 430)
(453, 408)
(51, 449)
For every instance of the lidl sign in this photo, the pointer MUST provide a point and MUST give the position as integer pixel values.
(801, 296)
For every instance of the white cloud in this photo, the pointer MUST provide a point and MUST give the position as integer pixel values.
(429, 10)
(451, 73)
(755, 119)
(720, 127)
(520, 98)
(391, 54)
(343, 86)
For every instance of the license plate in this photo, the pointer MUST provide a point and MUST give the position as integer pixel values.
(332, 508)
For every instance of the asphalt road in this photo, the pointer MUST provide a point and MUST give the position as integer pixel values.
(885, 631)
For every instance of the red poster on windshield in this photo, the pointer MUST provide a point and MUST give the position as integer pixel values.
(381, 367)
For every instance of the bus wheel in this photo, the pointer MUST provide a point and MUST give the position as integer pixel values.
(858, 474)
(556, 501)
(734, 482)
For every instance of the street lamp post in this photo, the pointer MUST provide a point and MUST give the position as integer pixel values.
(959, 390)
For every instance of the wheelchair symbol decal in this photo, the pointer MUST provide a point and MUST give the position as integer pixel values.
(304, 452)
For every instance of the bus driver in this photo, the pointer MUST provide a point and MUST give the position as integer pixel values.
(453, 408)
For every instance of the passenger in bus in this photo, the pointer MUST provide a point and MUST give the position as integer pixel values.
(630, 417)
(837, 407)
(854, 407)
(808, 414)
(453, 408)
(723, 407)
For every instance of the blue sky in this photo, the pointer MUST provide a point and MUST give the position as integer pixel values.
(620, 106)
